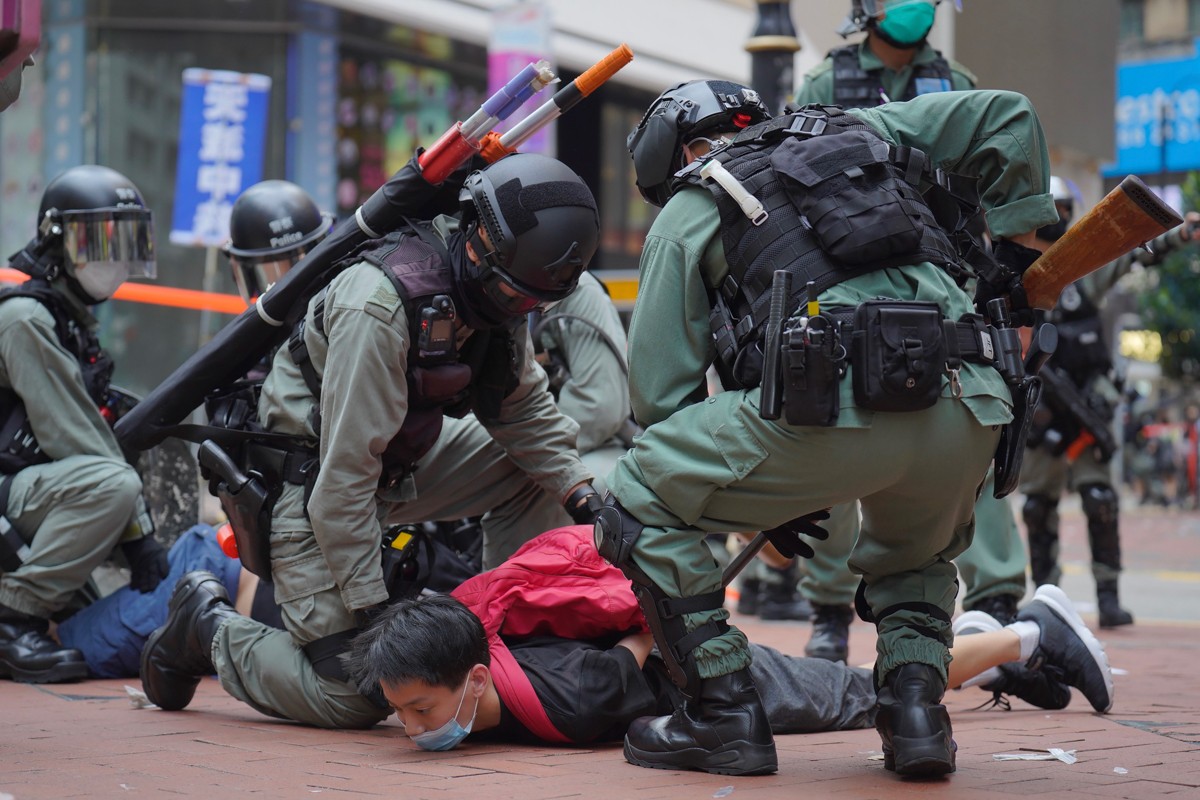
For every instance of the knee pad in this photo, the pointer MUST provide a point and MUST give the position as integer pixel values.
(1040, 513)
(1099, 503)
(616, 534)
(616, 531)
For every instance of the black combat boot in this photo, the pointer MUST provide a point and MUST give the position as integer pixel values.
(780, 600)
(1109, 604)
(29, 655)
(913, 724)
(723, 731)
(830, 638)
(1003, 607)
(749, 596)
(179, 653)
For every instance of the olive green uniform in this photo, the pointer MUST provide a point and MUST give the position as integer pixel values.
(995, 562)
(596, 394)
(74, 509)
(818, 82)
(326, 564)
(716, 465)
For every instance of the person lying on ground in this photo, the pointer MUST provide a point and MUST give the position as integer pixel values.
(552, 647)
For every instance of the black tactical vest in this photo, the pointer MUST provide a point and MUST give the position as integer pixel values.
(18, 447)
(477, 377)
(1082, 350)
(854, 87)
(840, 202)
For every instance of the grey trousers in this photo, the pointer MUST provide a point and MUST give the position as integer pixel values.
(807, 695)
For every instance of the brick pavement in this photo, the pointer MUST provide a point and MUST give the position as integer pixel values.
(86, 739)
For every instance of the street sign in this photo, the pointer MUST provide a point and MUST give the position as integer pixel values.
(1158, 115)
(222, 138)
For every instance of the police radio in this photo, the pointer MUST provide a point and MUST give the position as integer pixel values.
(435, 336)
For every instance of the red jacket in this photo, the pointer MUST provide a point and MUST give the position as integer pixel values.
(557, 585)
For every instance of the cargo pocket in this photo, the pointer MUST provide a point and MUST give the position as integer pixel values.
(740, 449)
(298, 566)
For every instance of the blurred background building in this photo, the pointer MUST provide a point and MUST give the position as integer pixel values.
(357, 85)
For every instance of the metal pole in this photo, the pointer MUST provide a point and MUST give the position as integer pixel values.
(772, 48)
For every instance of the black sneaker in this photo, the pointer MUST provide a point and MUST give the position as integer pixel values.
(1043, 688)
(1067, 646)
(1002, 607)
(830, 638)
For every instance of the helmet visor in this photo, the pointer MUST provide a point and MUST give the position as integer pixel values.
(508, 297)
(254, 275)
(118, 236)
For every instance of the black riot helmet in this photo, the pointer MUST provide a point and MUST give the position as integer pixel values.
(532, 224)
(94, 228)
(272, 225)
(679, 115)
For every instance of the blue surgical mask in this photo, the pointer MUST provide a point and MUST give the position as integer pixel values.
(448, 736)
(908, 23)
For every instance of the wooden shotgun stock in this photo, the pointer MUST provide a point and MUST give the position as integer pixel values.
(1128, 216)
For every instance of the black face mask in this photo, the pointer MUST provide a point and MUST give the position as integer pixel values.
(478, 311)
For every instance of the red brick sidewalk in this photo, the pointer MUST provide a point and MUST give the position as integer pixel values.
(86, 740)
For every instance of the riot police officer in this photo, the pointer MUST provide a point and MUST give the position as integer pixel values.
(715, 463)
(1071, 444)
(271, 226)
(423, 323)
(67, 495)
(893, 62)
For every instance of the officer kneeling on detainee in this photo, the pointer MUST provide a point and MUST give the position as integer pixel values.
(837, 201)
(426, 322)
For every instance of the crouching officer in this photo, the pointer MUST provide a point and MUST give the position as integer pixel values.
(67, 495)
(426, 322)
(890, 392)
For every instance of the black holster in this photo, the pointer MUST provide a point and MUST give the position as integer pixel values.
(246, 501)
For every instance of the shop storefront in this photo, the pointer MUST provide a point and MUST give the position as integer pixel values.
(351, 98)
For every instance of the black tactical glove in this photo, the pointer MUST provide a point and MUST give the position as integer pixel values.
(583, 505)
(1003, 280)
(148, 563)
(786, 537)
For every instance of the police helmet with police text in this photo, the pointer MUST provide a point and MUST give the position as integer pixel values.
(272, 225)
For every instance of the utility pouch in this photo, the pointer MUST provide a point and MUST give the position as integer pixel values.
(247, 503)
(899, 354)
(845, 186)
(812, 362)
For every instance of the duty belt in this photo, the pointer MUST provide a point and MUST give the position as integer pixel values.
(275, 464)
(967, 339)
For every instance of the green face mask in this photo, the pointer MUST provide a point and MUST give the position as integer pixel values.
(907, 24)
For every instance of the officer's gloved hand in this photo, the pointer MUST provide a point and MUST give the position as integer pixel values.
(363, 617)
(584, 504)
(148, 563)
(786, 537)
